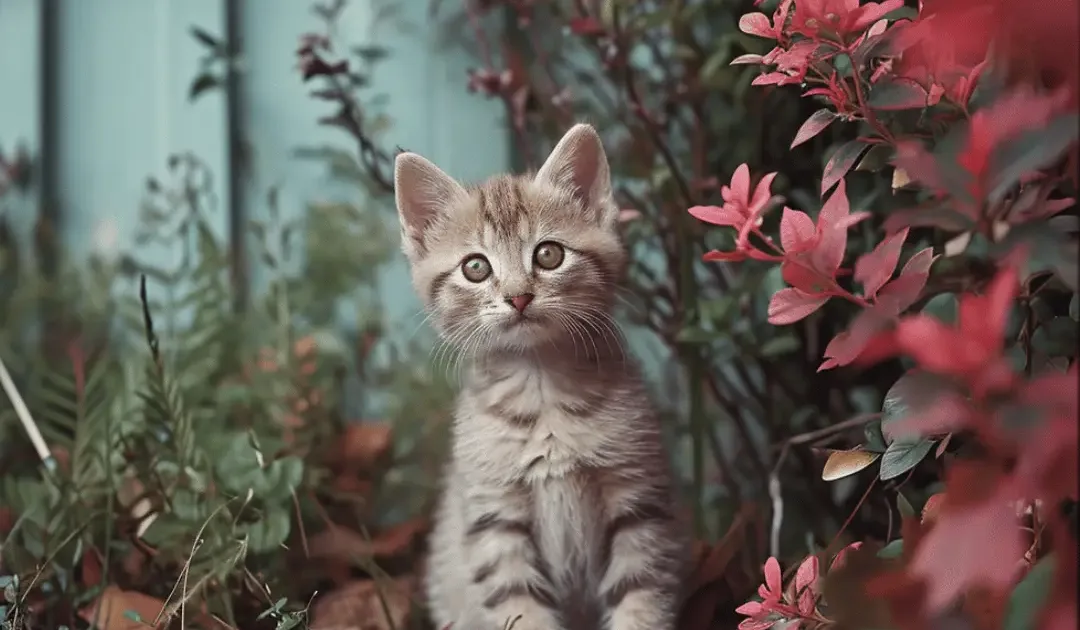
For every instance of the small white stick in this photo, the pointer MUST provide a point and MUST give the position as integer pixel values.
(23, 412)
(777, 514)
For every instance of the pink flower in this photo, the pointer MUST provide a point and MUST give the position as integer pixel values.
(817, 18)
(758, 23)
(812, 257)
(741, 210)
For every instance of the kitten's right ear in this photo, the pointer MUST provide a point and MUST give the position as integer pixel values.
(422, 192)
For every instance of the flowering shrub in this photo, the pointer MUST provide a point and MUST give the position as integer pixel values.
(986, 145)
(980, 153)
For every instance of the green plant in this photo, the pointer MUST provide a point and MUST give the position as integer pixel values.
(188, 445)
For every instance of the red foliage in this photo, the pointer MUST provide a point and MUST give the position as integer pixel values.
(798, 602)
(994, 173)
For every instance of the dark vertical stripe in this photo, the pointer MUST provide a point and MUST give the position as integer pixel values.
(48, 175)
(234, 120)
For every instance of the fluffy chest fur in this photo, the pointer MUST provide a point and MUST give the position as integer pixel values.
(530, 426)
(525, 429)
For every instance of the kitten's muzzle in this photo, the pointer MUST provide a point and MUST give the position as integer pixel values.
(520, 302)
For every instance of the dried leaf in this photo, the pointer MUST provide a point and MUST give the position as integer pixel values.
(338, 543)
(364, 444)
(714, 562)
(845, 463)
(900, 178)
(122, 610)
(91, 568)
(360, 606)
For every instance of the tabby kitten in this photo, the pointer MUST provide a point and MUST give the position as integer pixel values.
(558, 510)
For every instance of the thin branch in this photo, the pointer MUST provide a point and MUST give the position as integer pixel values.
(27, 421)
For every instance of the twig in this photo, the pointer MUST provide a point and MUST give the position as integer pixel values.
(777, 513)
(812, 436)
(851, 516)
(148, 323)
(23, 412)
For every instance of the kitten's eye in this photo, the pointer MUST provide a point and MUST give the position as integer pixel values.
(548, 255)
(476, 268)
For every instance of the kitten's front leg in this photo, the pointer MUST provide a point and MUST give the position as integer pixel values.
(509, 577)
(645, 555)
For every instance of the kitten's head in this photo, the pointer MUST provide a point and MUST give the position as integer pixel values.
(519, 261)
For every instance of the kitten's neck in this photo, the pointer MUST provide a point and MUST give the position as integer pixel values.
(568, 356)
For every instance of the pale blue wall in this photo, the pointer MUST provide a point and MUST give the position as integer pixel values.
(19, 88)
(124, 70)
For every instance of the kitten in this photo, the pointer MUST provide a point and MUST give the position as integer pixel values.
(559, 509)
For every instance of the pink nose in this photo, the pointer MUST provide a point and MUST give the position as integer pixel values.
(519, 302)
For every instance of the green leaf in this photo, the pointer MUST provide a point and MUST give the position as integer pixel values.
(168, 530)
(1048, 250)
(695, 335)
(1029, 596)
(943, 306)
(779, 346)
(1056, 338)
(903, 455)
(205, 81)
(875, 441)
(892, 550)
(716, 61)
(206, 39)
(280, 479)
(842, 65)
(896, 95)
(910, 394)
(876, 158)
(904, 506)
(269, 533)
(1030, 152)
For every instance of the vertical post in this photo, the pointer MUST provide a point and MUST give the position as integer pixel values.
(47, 229)
(237, 156)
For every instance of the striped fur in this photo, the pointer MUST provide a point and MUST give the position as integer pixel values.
(558, 509)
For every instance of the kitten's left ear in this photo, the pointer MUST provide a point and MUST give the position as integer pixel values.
(578, 163)
(422, 192)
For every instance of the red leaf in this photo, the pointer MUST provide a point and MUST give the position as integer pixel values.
(757, 24)
(841, 556)
(91, 568)
(747, 59)
(796, 228)
(773, 577)
(586, 25)
(872, 270)
(788, 306)
(974, 545)
(815, 124)
(717, 215)
(907, 287)
(898, 94)
(849, 344)
(832, 225)
(840, 163)
(805, 579)
(719, 256)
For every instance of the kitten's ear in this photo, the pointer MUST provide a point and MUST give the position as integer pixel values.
(578, 163)
(422, 192)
